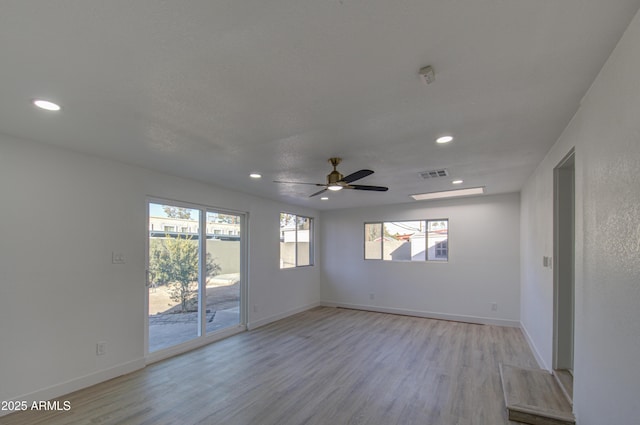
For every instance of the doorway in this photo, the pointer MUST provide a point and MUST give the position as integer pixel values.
(195, 277)
(564, 265)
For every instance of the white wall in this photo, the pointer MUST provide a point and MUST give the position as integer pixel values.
(606, 134)
(483, 264)
(62, 215)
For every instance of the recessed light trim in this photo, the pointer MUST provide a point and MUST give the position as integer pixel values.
(457, 182)
(444, 139)
(449, 193)
(46, 105)
(255, 175)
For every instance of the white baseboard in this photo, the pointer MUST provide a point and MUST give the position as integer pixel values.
(76, 384)
(428, 314)
(534, 349)
(256, 324)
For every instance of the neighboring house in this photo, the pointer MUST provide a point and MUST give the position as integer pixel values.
(168, 225)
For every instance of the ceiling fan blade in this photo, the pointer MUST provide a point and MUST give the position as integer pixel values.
(357, 176)
(318, 193)
(312, 184)
(365, 187)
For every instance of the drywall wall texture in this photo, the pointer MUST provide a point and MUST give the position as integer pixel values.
(606, 134)
(483, 266)
(62, 216)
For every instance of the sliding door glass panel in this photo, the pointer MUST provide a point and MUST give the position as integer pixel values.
(174, 275)
(223, 268)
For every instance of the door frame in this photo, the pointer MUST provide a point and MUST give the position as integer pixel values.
(564, 263)
(203, 338)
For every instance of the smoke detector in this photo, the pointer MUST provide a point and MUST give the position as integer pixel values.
(427, 74)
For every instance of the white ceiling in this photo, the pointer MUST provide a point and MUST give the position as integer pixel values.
(214, 90)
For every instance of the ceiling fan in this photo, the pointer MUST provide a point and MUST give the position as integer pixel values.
(336, 181)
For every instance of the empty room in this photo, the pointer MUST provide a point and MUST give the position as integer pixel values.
(320, 212)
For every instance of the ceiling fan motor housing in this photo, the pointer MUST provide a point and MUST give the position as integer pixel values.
(334, 177)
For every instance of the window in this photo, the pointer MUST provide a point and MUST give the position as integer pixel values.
(296, 241)
(373, 241)
(417, 240)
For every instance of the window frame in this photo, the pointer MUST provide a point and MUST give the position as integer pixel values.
(438, 246)
(296, 247)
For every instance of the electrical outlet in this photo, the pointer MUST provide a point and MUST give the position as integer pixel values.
(101, 348)
(494, 306)
(255, 308)
(372, 296)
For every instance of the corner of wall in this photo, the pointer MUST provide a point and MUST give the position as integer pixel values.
(534, 349)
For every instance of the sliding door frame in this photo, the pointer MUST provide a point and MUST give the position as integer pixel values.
(203, 338)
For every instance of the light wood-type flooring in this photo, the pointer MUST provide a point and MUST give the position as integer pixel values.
(323, 366)
(534, 396)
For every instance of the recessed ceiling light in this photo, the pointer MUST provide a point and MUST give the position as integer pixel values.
(255, 175)
(324, 198)
(457, 182)
(449, 193)
(45, 104)
(444, 139)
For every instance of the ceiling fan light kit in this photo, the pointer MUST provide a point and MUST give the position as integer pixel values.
(336, 181)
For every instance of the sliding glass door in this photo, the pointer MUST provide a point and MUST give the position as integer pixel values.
(224, 261)
(194, 272)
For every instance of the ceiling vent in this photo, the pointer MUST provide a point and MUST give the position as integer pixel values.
(434, 173)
